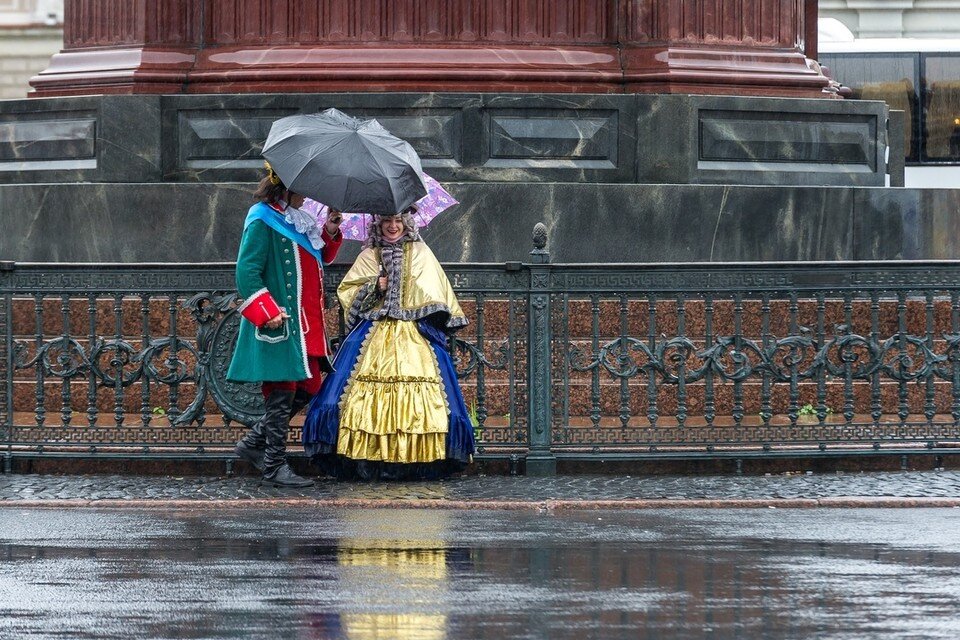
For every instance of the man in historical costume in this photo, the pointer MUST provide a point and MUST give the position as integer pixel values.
(282, 342)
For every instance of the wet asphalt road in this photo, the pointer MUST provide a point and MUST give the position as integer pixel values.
(445, 574)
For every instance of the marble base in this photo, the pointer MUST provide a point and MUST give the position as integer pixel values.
(641, 177)
(461, 137)
(586, 222)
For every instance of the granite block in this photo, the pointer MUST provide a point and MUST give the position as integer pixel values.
(179, 222)
(122, 222)
(89, 138)
(468, 137)
(586, 139)
(646, 223)
(66, 141)
(130, 139)
(224, 139)
(44, 139)
(741, 140)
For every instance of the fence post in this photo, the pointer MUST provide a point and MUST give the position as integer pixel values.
(6, 361)
(540, 460)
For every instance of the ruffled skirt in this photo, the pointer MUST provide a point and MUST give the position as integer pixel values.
(392, 407)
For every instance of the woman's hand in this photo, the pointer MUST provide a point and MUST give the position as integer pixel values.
(277, 321)
(332, 224)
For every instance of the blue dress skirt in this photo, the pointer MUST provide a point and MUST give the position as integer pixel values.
(346, 459)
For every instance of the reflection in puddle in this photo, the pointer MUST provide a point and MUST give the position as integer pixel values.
(398, 626)
(435, 575)
(416, 567)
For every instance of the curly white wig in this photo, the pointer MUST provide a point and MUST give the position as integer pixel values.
(410, 232)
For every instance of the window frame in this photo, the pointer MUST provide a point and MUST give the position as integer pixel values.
(925, 158)
(914, 155)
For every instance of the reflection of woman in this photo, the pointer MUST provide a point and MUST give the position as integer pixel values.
(416, 577)
(393, 407)
(406, 557)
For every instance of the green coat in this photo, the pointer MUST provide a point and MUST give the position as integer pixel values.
(268, 260)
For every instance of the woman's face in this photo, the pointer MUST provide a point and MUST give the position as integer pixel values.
(391, 227)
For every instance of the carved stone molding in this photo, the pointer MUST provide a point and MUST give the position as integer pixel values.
(751, 47)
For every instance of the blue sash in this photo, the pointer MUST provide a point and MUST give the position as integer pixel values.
(274, 219)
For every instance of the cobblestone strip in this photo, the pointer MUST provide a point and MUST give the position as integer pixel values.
(6, 388)
(871, 488)
(501, 505)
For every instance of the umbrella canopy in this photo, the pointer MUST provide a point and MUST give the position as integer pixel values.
(355, 225)
(344, 162)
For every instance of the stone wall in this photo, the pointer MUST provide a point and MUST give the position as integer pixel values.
(159, 222)
(616, 177)
(676, 139)
(896, 18)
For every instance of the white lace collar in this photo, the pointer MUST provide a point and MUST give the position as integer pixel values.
(304, 222)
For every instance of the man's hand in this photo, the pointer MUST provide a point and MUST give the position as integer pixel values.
(277, 321)
(334, 218)
(382, 283)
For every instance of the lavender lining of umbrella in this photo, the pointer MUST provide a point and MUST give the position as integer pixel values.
(355, 225)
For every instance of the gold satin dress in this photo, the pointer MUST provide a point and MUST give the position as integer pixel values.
(394, 407)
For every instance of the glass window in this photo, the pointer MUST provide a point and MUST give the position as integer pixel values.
(891, 77)
(941, 83)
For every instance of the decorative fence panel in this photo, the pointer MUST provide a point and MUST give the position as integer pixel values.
(739, 357)
(575, 360)
(130, 360)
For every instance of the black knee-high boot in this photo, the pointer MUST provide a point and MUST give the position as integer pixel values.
(276, 425)
(252, 445)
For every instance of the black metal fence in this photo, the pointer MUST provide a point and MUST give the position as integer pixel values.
(561, 360)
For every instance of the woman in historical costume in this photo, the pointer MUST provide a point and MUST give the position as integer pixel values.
(393, 407)
(281, 343)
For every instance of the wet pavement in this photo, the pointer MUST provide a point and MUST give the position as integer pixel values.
(428, 574)
(911, 487)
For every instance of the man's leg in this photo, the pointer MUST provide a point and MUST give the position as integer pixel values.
(276, 426)
(252, 445)
(308, 388)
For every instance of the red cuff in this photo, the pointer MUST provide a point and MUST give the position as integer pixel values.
(331, 245)
(259, 308)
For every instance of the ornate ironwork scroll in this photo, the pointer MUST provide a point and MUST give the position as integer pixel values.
(219, 324)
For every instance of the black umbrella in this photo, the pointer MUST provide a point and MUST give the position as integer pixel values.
(344, 162)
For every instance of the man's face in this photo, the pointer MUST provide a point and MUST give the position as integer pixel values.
(295, 200)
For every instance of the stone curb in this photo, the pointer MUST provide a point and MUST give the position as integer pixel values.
(504, 505)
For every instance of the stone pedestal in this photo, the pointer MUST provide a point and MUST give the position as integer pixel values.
(615, 177)
(543, 112)
(460, 137)
(741, 47)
